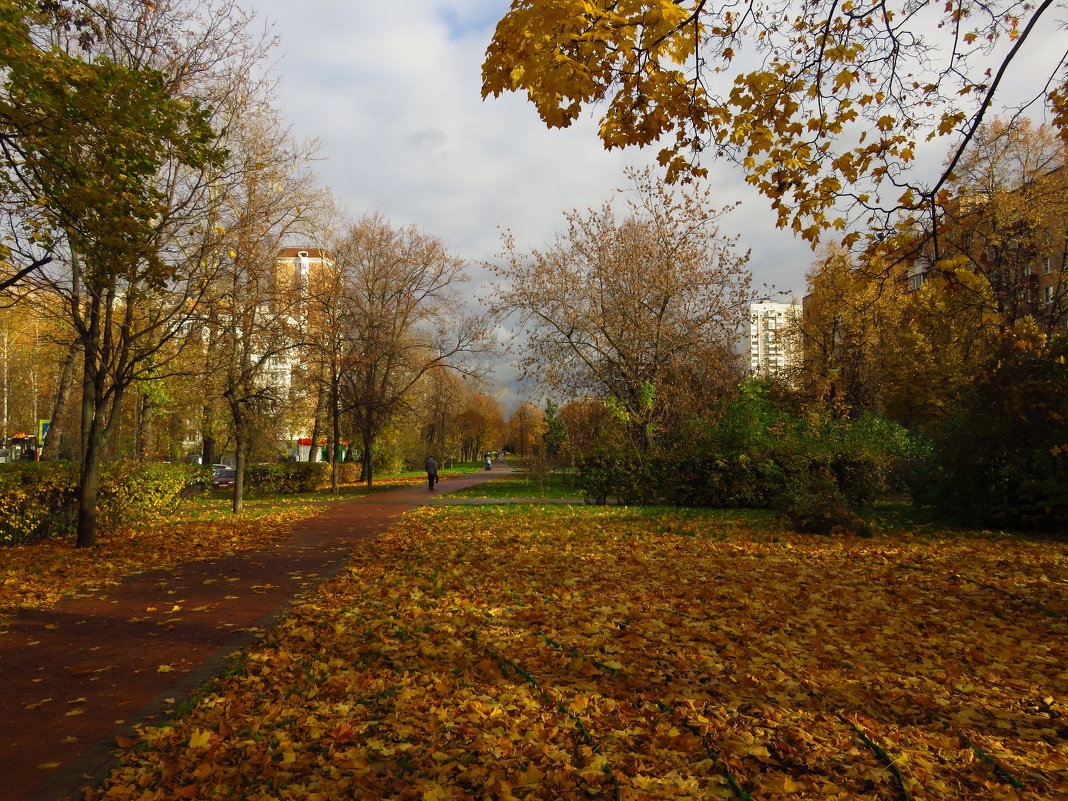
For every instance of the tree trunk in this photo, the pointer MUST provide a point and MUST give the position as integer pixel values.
(335, 477)
(89, 489)
(146, 434)
(368, 457)
(241, 449)
(92, 442)
(57, 437)
(313, 450)
(335, 421)
(208, 455)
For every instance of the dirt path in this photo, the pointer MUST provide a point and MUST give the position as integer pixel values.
(78, 675)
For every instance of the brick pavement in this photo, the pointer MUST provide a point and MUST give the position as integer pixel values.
(77, 675)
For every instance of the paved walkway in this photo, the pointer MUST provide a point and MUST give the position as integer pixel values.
(78, 675)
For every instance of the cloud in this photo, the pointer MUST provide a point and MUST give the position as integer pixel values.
(394, 96)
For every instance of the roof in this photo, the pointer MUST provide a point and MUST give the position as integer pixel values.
(292, 253)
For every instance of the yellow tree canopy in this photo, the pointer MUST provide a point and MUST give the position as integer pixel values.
(823, 103)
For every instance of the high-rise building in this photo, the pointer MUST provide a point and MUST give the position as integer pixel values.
(773, 341)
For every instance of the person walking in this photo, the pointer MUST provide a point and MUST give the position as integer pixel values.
(431, 471)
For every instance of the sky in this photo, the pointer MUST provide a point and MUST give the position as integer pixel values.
(395, 98)
(392, 91)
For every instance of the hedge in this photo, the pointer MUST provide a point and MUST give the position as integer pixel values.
(751, 455)
(40, 499)
(286, 478)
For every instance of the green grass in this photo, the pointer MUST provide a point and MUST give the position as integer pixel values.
(217, 503)
(524, 486)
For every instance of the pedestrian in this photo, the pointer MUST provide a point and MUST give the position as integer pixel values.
(431, 471)
(489, 462)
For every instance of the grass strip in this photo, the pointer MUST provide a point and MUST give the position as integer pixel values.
(880, 752)
(998, 768)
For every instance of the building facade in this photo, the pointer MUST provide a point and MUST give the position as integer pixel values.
(772, 338)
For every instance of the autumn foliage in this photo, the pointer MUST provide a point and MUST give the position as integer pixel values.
(522, 654)
(825, 105)
(38, 500)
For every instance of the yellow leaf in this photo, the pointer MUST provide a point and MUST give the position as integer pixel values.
(199, 738)
(781, 785)
(843, 79)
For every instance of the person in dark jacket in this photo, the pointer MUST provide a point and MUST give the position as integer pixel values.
(431, 471)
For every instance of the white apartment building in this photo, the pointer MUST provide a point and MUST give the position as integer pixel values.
(772, 347)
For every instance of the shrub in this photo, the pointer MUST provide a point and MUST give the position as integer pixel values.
(135, 492)
(39, 500)
(751, 454)
(286, 478)
(818, 507)
(1002, 459)
(614, 469)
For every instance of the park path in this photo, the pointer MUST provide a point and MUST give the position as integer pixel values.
(78, 675)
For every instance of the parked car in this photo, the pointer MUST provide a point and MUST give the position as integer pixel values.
(223, 479)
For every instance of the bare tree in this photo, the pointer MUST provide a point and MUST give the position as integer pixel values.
(257, 312)
(407, 321)
(625, 306)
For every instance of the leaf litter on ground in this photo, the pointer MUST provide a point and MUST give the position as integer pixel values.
(518, 653)
(38, 574)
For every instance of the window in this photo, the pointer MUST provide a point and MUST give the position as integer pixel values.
(302, 254)
(1047, 265)
(1029, 269)
(1047, 294)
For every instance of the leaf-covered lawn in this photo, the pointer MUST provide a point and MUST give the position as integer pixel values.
(39, 574)
(605, 653)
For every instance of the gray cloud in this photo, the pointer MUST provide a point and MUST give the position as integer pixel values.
(395, 98)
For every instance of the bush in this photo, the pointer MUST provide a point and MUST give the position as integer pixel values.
(39, 500)
(135, 492)
(613, 469)
(819, 507)
(1002, 459)
(751, 455)
(287, 478)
